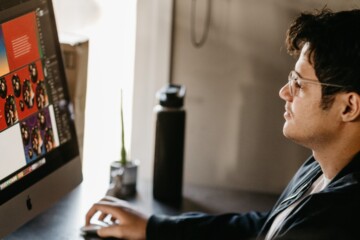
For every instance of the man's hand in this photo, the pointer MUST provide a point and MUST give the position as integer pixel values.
(125, 222)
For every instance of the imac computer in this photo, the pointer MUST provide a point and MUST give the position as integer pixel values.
(39, 157)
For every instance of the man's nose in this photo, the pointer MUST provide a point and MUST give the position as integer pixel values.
(285, 94)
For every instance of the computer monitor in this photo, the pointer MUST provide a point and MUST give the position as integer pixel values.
(39, 157)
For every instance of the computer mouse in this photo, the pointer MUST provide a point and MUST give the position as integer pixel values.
(90, 229)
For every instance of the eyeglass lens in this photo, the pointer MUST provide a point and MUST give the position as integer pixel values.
(292, 79)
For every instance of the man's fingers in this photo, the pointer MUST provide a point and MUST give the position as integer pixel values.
(110, 198)
(111, 231)
(105, 208)
(113, 219)
(102, 216)
(91, 212)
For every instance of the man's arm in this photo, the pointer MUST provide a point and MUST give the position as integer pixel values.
(203, 226)
(127, 223)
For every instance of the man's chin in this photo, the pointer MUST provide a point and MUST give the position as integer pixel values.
(288, 133)
(292, 136)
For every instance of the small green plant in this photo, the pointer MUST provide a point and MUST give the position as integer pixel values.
(123, 157)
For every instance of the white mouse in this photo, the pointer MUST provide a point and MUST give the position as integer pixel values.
(90, 229)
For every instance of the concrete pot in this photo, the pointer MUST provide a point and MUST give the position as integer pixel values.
(123, 179)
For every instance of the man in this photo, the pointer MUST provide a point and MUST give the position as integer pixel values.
(322, 112)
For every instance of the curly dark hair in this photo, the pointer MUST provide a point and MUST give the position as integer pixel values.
(334, 48)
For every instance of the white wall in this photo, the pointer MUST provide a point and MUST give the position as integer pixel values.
(152, 63)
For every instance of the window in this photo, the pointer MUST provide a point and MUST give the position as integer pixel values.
(110, 26)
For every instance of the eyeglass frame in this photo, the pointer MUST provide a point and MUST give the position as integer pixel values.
(313, 81)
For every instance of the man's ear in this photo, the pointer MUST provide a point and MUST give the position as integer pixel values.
(351, 107)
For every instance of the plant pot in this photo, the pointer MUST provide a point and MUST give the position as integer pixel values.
(123, 179)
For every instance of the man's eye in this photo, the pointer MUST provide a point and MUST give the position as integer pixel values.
(297, 84)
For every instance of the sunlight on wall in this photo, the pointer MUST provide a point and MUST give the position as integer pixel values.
(110, 26)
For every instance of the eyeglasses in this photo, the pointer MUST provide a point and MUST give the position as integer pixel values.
(295, 85)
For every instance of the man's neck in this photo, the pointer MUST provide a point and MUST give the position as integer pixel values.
(334, 158)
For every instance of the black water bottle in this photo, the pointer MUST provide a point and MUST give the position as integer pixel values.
(169, 144)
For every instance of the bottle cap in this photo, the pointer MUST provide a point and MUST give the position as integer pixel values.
(171, 95)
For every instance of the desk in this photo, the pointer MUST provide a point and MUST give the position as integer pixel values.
(64, 219)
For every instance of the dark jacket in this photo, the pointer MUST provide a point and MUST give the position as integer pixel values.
(332, 213)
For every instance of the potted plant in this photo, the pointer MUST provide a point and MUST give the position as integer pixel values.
(123, 173)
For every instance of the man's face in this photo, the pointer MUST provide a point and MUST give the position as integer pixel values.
(305, 121)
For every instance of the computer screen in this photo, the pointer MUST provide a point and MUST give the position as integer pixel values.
(38, 149)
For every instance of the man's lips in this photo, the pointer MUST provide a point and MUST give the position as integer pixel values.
(287, 113)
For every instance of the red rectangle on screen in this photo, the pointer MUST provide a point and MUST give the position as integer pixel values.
(21, 40)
